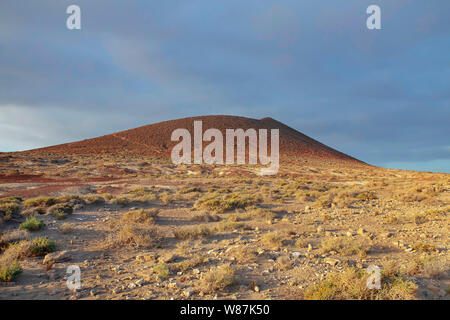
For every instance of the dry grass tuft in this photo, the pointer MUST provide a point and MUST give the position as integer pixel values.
(217, 279)
(351, 284)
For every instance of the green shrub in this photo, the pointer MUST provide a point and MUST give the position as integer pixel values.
(162, 270)
(40, 201)
(9, 209)
(15, 200)
(41, 246)
(32, 224)
(60, 211)
(9, 271)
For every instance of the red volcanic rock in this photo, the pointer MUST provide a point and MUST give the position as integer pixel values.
(154, 140)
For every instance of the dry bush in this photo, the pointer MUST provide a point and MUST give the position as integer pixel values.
(60, 211)
(185, 190)
(120, 200)
(242, 254)
(33, 211)
(12, 236)
(284, 263)
(351, 284)
(29, 248)
(220, 205)
(142, 194)
(194, 232)
(205, 217)
(93, 199)
(7, 210)
(273, 240)
(40, 202)
(148, 216)
(344, 245)
(366, 196)
(165, 198)
(262, 214)
(16, 200)
(424, 247)
(344, 199)
(133, 235)
(434, 266)
(230, 226)
(188, 264)
(217, 279)
(66, 228)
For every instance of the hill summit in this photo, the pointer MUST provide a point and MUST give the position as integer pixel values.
(155, 140)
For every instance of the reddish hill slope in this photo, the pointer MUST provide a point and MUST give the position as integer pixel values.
(154, 139)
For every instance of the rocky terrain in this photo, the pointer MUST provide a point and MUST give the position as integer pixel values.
(139, 227)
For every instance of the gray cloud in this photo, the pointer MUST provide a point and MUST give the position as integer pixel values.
(381, 96)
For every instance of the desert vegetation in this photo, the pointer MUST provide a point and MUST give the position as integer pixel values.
(142, 228)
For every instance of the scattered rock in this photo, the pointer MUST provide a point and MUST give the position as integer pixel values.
(171, 257)
(361, 231)
(187, 293)
(172, 285)
(54, 257)
(331, 261)
(140, 282)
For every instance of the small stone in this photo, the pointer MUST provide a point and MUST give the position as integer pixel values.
(296, 254)
(117, 268)
(140, 282)
(171, 257)
(433, 288)
(386, 235)
(55, 257)
(187, 293)
(256, 289)
(116, 290)
(361, 231)
(331, 261)
(132, 286)
(320, 229)
(196, 271)
(349, 234)
(309, 247)
(92, 293)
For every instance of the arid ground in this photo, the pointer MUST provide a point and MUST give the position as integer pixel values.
(140, 227)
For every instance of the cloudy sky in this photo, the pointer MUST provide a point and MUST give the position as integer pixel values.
(382, 96)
